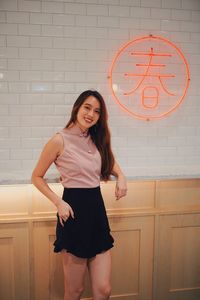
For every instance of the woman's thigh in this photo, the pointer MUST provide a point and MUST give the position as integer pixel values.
(74, 270)
(100, 270)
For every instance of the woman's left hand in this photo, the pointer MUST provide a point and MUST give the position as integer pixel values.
(121, 187)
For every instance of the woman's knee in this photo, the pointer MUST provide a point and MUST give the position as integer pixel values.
(73, 292)
(104, 290)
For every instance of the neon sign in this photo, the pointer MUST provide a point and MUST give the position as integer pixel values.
(149, 77)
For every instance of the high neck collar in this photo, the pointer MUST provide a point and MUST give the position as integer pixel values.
(76, 130)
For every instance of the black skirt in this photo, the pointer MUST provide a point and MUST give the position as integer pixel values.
(88, 233)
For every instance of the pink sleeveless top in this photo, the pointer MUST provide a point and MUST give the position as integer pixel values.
(80, 162)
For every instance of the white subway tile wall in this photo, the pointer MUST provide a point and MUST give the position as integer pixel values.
(50, 51)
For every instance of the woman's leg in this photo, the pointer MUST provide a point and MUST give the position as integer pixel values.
(100, 272)
(74, 272)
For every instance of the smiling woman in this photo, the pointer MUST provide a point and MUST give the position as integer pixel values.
(82, 154)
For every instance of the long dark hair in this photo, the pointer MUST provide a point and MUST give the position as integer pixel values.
(99, 132)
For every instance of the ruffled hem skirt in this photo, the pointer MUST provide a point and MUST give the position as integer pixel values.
(88, 234)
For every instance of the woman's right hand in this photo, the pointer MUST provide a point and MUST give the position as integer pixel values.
(64, 211)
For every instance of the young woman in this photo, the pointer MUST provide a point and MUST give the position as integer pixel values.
(82, 154)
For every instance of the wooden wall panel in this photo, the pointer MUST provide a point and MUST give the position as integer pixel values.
(132, 264)
(179, 257)
(14, 257)
(156, 255)
(141, 195)
(47, 266)
(178, 194)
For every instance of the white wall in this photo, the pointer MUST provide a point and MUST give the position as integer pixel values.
(50, 51)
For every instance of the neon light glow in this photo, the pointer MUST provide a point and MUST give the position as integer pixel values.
(149, 77)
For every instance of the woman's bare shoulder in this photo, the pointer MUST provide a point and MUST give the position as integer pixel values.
(56, 142)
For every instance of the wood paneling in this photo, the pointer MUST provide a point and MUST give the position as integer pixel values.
(179, 257)
(14, 257)
(157, 242)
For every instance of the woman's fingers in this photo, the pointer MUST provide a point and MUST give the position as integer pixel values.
(71, 212)
(61, 221)
(63, 216)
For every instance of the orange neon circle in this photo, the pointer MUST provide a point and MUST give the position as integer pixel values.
(146, 110)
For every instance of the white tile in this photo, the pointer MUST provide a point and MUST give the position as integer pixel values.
(119, 11)
(191, 4)
(20, 110)
(63, 65)
(32, 121)
(9, 99)
(4, 109)
(10, 75)
(54, 120)
(160, 13)
(48, 30)
(74, 32)
(64, 87)
(29, 29)
(17, 17)
(8, 52)
(97, 10)
(190, 26)
(53, 53)
(29, 6)
(41, 132)
(171, 4)
(108, 21)
(19, 87)
(150, 24)
(75, 8)
(152, 3)
(2, 17)
(170, 25)
(30, 75)
(53, 76)
(61, 19)
(96, 32)
(53, 98)
(85, 20)
(30, 99)
(43, 42)
(41, 64)
(9, 121)
(8, 29)
(52, 7)
(30, 53)
(65, 42)
(118, 33)
(17, 41)
(43, 110)
(3, 132)
(3, 87)
(140, 12)
(75, 77)
(18, 64)
(3, 64)
(21, 153)
(129, 23)
(40, 18)
(180, 14)
(195, 16)
(8, 5)
(41, 87)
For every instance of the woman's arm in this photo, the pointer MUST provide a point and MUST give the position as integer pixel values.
(121, 185)
(50, 152)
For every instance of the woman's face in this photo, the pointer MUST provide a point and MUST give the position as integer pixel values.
(89, 113)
